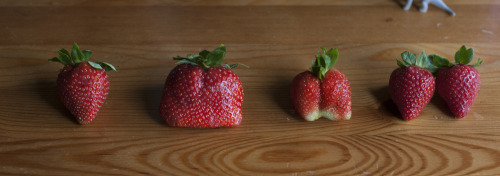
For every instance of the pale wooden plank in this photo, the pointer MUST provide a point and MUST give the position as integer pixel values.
(410, 154)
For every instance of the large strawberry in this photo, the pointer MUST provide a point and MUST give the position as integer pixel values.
(82, 85)
(412, 85)
(323, 91)
(202, 92)
(458, 83)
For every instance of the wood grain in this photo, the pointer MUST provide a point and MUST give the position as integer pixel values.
(39, 137)
(409, 154)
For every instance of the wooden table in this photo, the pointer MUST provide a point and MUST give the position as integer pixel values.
(39, 137)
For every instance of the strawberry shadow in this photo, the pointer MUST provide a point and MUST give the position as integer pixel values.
(401, 3)
(387, 106)
(281, 95)
(47, 91)
(441, 104)
(152, 98)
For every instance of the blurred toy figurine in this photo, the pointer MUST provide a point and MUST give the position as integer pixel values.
(425, 4)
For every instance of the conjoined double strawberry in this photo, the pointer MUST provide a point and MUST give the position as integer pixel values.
(82, 85)
(413, 85)
(202, 92)
(323, 91)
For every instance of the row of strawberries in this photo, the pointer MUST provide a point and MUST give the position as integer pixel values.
(202, 91)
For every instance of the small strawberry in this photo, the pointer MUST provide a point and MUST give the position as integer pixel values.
(202, 92)
(323, 91)
(82, 84)
(411, 86)
(458, 83)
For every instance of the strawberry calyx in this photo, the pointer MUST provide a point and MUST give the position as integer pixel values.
(422, 61)
(78, 56)
(207, 59)
(462, 56)
(325, 60)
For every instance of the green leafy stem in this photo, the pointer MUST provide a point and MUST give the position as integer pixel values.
(207, 59)
(78, 56)
(433, 62)
(325, 60)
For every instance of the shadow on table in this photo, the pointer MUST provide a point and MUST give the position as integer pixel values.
(281, 95)
(387, 106)
(152, 98)
(402, 3)
(47, 90)
(441, 104)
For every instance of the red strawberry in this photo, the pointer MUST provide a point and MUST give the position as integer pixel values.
(411, 86)
(82, 84)
(458, 83)
(323, 91)
(202, 92)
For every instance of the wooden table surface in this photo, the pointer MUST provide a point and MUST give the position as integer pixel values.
(278, 39)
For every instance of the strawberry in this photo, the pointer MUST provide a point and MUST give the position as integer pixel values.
(411, 86)
(82, 84)
(458, 83)
(202, 92)
(323, 91)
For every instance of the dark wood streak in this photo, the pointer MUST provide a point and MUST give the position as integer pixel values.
(412, 149)
(382, 149)
(465, 155)
(430, 149)
(492, 152)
